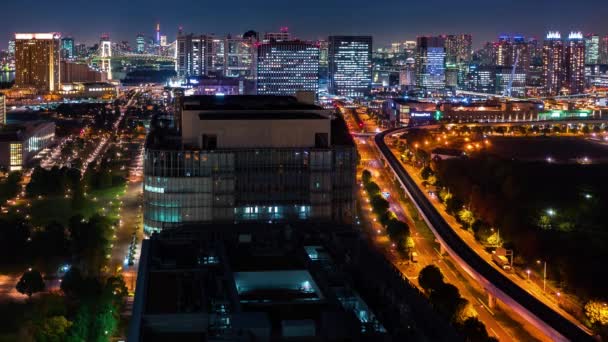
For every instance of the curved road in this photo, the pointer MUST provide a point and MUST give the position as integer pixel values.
(547, 320)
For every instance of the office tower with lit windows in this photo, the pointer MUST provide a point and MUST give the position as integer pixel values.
(553, 63)
(2, 109)
(430, 63)
(592, 49)
(481, 79)
(458, 48)
(140, 44)
(194, 55)
(217, 56)
(37, 57)
(11, 47)
(240, 57)
(510, 50)
(350, 65)
(574, 62)
(67, 48)
(603, 50)
(283, 68)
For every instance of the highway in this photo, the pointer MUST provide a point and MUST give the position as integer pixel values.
(534, 311)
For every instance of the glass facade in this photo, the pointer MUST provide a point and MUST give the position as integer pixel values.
(16, 156)
(286, 67)
(350, 61)
(277, 184)
(430, 63)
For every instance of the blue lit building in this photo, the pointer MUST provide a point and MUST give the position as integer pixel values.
(350, 65)
(430, 63)
(67, 48)
(249, 159)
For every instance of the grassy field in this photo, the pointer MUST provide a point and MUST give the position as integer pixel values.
(60, 209)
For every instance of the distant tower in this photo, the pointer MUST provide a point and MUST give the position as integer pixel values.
(106, 55)
(553, 63)
(157, 33)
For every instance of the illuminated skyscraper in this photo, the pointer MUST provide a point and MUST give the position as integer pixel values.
(194, 55)
(140, 43)
(509, 49)
(553, 63)
(350, 65)
(240, 59)
(592, 49)
(11, 47)
(2, 110)
(430, 63)
(575, 63)
(67, 48)
(458, 48)
(603, 50)
(284, 68)
(37, 57)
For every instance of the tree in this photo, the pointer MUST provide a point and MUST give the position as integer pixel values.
(379, 205)
(79, 331)
(372, 189)
(430, 278)
(30, 283)
(366, 176)
(467, 217)
(72, 283)
(597, 312)
(53, 329)
(446, 298)
(475, 331)
(397, 231)
(463, 312)
(426, 172)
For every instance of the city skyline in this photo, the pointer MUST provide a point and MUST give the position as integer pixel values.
(389, 19)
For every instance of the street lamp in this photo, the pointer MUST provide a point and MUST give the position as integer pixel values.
(544, 274)
(528, 272)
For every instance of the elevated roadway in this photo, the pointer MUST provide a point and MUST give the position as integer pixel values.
(498, 286)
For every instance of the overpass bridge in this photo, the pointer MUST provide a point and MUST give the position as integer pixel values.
(496, 284)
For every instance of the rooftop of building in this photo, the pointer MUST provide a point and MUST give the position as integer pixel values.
(246, 102)
(21, 130)
(255, 274)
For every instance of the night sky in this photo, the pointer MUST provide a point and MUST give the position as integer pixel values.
(386, 20)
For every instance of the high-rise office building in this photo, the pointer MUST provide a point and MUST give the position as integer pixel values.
(512, 49)
(282, 35)
(283, 68)
(11, 47)
(458, 48)
(194, 55)
(575, 63)
(217, 56)
(603, 50)
(430, 63)
(37, 57)
(592, 49)
(481, 79)
(249, 159)
(140, 43)
(2, 109)
(240, 57)
(553, 63)
(350, 65)
(67, 48)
